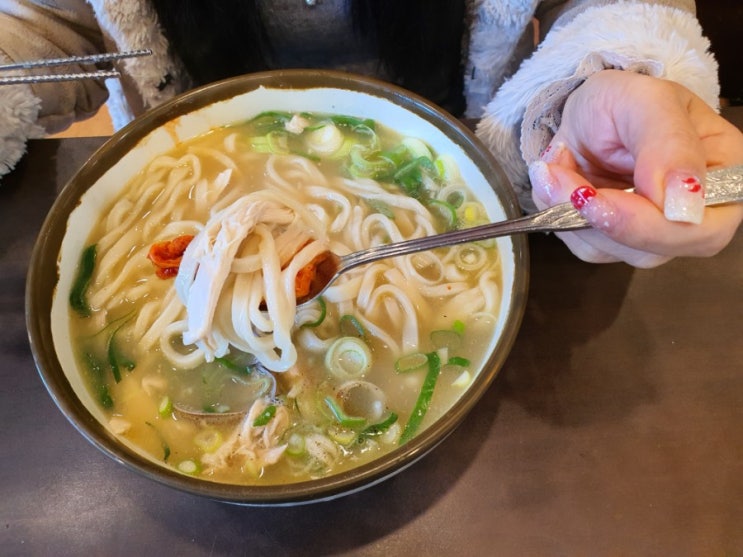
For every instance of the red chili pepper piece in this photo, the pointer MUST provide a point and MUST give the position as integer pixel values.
(167, 255)
(307, 275)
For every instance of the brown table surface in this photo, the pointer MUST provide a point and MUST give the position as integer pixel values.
(615, 428)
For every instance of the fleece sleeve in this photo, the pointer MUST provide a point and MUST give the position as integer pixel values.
(653, 39)
(34, 30)
(19, 110)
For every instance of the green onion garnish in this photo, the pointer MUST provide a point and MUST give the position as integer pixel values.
(323, 312)
(424, 398)
(378, 428)
(411, 362)
(458, 361)
(341, 417)
(351, 327)
(264, 417)
(78, 301)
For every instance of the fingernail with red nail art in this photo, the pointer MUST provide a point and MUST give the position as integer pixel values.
(542, 181)
(581, 196)
(552, 152)
(684, 200)
(594, 207)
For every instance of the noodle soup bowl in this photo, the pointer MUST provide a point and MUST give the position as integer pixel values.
(89, 194)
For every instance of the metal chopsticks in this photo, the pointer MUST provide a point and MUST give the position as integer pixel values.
(45, 78)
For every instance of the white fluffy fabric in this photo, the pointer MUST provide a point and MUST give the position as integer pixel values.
(19, 109)
(497, 27)
(133, 25)
(656, 40)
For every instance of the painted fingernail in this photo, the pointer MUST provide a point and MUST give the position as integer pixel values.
(552, 152)
(543, 183)
(684, 198)
(594, 207)
(581, 196)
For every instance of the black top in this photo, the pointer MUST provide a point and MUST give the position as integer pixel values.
(414, 43)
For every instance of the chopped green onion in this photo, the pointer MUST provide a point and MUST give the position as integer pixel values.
(323, 312)
(233, 365)
(378, 428)
(340, 416)
(352, 121)
(208, 440)
(445, 211)
(470, 213)
(455, 198)
(295, 446)
(410, 177)
(99, 382)
(446, 338)
(270, 120)
(458, 327)
(165, 407)
(78, 302)
(341, 435)
(416, 148)
(458, 361)
(264, 417)
(397, 156)
(411, 362)
(366, 163)
(259, 144)
(190, 467)
(348, 357)
(113, 364)
(163, 443)
(350, 326)
(116, 360)
(446, 167)
(424, 398)
(368, 136)
(470, 257)
(226, 362)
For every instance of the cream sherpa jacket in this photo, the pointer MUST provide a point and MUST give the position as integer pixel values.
(519, 112)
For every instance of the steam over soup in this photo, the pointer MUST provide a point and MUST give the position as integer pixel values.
(184, 308)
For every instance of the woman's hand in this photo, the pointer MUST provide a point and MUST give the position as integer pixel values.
(622, 129)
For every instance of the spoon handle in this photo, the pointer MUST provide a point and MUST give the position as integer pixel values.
(724, 185)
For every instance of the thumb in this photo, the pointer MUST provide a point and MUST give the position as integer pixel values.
(669, 155)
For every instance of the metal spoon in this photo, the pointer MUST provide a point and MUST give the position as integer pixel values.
(724, 185)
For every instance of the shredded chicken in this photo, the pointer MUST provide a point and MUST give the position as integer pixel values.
(119, 425)
(257, 247)
(297, 124)
(207, 261)
(249, 446)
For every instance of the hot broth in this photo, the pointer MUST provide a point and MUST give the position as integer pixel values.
(185, 311)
